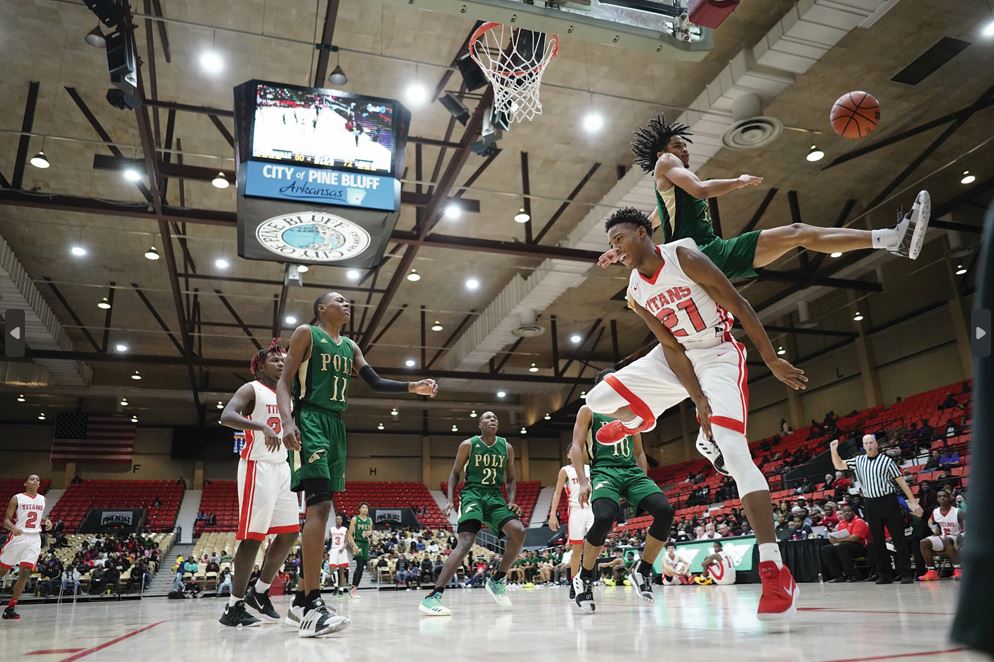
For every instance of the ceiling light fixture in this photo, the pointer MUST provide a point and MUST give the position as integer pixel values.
(472, 414)
(533, 368)
(338, 76)
(524, 431)
(547, 416)
(988, 30)
(136, 376)
(352, 274)
(522, 216)
(960, 270)
(437, 326)
(781, 351)
(131, 174)
(452, 211)
(380, 426)
(78, 251)
(121, 347)
(290, 320)
(96, 38)
(211, 62)
(575, 338)
(151, 254)
(836, 254)
(416, 94)
(414, 276)
(583, 394)
(220, 405)
(410, 363)
(134, 419)
(455, 428)
(501, 394)
(124, 402)
(472, 284)
(593, 122)
(41, 416)
(222, 263)
(394, 412)
(967, 178)
(21, 398)
(858, 317)
(220, 181)
(103, 304)
(302, 268)
(39, 160)
(814, 154)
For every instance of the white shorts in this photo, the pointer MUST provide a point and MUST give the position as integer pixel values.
(580, 521)
(22, 550)
(338, 558)
(265, 503)
(939, 542)
(649, 387)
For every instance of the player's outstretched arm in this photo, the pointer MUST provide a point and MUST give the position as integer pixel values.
(676, 358)
(426, 387)
(701, 269)
(462, 455)
(670, 168)
(577, 454)
(554, 508)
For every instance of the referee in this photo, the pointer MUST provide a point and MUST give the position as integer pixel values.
(877, 475)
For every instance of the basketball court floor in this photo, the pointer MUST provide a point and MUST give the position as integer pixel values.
(834, 622)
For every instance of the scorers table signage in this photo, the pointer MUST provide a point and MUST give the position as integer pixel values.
(321, 186)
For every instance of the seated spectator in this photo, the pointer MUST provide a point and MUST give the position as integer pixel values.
(829, 482)
(830, 519)
(948, 459)
(933, 460)
(784, 428)
(842, 484)
(909, 477)
(961, 502)
(951, 428)
(849, 542)
(212, 519)
(801, 530)
(926, 497)
(709, 532)
(157, 502)
(201, 516)
(948, 403)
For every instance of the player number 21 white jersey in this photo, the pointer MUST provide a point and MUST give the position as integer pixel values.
(683, 306)
(266, 411)
(573, 485)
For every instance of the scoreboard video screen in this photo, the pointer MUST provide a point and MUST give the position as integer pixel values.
(317, 127)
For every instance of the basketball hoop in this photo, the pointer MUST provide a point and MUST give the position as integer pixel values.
(515, 71)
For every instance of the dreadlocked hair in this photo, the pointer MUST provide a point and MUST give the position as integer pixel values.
(652, 139)
(260, 357)
(628, 215)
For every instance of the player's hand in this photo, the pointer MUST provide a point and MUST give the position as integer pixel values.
(584, 493)
(447, 510)
(746, 181)
(704, 414)
(424, 387)
(15, 532)
(553, 522)
(273, 442)
(355, 549)
(291, 435)
(515, 508)
(916, 508)
(607, 258)
(47, 524)
(834, 444)
(788, 374)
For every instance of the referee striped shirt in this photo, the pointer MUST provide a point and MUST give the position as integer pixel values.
(876, 476)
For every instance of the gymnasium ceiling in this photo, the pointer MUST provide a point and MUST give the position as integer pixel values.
(383, 48)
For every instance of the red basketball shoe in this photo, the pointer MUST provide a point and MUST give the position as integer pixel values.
(779, 599)
(930, 576)
(613, 432)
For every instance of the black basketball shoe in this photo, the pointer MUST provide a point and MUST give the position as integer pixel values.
(261, 603)
(237, 615)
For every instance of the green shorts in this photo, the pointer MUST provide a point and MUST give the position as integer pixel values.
(735, 256)
(485, 506)
(322, 451)
(362, 557)
(616, 482)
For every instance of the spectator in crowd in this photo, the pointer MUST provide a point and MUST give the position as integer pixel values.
(926, 496)
(178, 584)
(961, 502)
(830, 519)
(848, 543)
(784, 428)
(70, 578)
(842, 484)
(709, 533)
(212, 519)
(933, 460)
(76, 480)
(157, 502)
(800, 531)
(949, 459)
(909, 477)
(948, 403)
(403, 570)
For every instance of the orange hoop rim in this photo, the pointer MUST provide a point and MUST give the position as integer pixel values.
(491, 25)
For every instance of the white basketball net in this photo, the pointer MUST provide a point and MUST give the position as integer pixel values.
(515, 70)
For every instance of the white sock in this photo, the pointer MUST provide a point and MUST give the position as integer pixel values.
(632, 424)
(887, 238)
(770, 551)
(261, 586)
(232, 600)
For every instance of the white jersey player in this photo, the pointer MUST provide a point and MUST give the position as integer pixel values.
(338, 557)
(23, 522)
(949, 524)
(265, 503)
(579, 518)
(720, 566)
(688, 304)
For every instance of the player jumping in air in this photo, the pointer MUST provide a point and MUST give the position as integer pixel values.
(488, 461)
(616, 470)
(315, 381)
(682, 211)
(265, 503)
(23, 521)
(681, 295)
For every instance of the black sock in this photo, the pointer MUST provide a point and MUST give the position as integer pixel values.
(499, 575)
(644, 568)
(587, 575)
(436, 591)
(312, 596)
(298, 599)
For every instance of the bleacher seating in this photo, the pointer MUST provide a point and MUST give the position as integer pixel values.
(221, 498)
(11, 486)
(526, 496)
(79, 499)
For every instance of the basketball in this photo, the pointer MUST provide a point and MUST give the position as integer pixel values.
(855, 115)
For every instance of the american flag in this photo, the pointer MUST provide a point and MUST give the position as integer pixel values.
(83, 438)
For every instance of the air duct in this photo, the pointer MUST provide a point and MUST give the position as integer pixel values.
(750, 128)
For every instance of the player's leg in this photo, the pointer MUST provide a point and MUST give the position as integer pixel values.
(22, 580)
(257, 595)
(466, 536)
(275, 512)
(604, 502)
(651, 499)
(928, 547)
(574, 561)
(361, 560)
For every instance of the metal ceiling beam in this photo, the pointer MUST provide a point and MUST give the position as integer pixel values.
(812, 280)
(386, 327)
(281, 305)
(163, 35)
(72, 313)
(510, 352)
(760, 211)
(324, 48)
(27, 122)
(238, 318)
(566, 203)
(801, 331)
(157, 317)
(526, 191)
(277, 283)
(586, 338)
(498, 247)
(453, 337)
(107, 317)
(223, 130)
